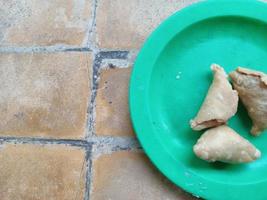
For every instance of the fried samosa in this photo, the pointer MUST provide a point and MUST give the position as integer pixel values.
(224, 144)
(220, 103)
(252, 89)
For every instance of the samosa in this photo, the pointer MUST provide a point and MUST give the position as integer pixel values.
(251, 86)
(220, 103)
(224, 144)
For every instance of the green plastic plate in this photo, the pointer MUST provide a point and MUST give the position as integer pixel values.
(169, 82)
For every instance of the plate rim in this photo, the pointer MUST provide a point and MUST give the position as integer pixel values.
(139, 88)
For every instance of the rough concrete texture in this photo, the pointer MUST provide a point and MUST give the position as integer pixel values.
(41, 172)
(110, 144)
(112, 110)
(50, 22)
(44, 94)
(125, 24)
(130, 176)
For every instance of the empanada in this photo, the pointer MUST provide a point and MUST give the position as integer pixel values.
(252, 89)
(224, 144)
(220, 103)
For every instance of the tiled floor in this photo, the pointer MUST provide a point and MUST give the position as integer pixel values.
(65, 131)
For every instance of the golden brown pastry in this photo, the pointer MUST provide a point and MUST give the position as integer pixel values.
(220, 103)
(224, 144)
(252, 89)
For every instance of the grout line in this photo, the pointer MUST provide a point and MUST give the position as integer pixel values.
(113, 54)
(101, 144)
(39, 49)
(90, 110)
(88, 175)
(89, 26)
(44, 141)
(82, 49)
(91, 107)
(87, 128)
(65, 48)
(92, 29)
(90, 179)
(110, 144)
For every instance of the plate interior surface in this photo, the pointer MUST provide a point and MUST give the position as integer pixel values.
(173, 87)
